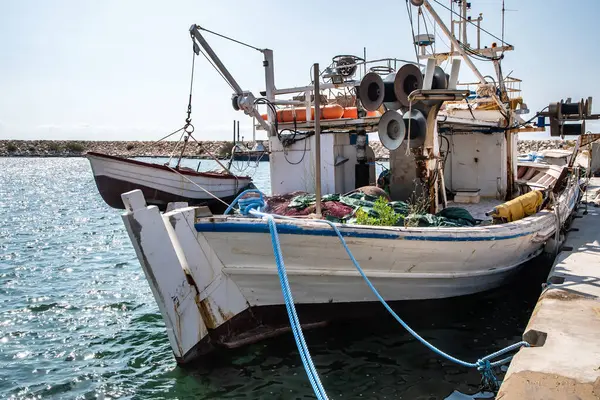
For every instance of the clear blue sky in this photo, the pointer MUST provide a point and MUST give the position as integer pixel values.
(113, 69)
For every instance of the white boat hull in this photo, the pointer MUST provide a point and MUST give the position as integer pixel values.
(161, 184)
(211, 276)
(409, 264)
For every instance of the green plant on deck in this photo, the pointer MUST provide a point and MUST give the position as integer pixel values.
(386, 214)
(75, 147)
(11, 147)
(418, 205)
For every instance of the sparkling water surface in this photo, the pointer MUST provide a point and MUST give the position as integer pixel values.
(78, 320)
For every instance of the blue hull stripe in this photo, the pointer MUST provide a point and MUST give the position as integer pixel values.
(289, 229)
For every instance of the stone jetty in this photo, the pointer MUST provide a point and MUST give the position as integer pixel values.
(564, 359)
(221, 149)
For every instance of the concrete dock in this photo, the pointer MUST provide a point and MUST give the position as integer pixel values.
(564, 329)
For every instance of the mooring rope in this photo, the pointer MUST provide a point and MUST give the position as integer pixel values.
(253, 205)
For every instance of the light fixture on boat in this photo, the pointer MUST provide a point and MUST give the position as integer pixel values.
(522, 109)
(333, 75)
(392, 129)
(345, 65)
(339, 160)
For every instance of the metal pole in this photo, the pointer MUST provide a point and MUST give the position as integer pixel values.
(317, 142)
(479, 31)
(503, 12)
(464, 22)
(270, 89)
(238, 130)
(451, 27)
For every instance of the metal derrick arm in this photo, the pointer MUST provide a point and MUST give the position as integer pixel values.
(244, 100)
(464, 55)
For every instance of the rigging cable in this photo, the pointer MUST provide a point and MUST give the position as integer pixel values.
(412, 28)
(228, 38)
(427, 31)
(217, 69)
(303, 152)
(198, 186)
(189, 109)
(472, 23)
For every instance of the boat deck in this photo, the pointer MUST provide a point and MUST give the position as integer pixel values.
(478, 210)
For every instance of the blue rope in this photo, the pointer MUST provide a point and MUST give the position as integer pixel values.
(311, 371)
(246, 204)
(250, 206)
(484, 365)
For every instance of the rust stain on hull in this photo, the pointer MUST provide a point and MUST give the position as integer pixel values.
(213, 318)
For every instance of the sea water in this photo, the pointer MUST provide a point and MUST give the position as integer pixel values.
(78, 320)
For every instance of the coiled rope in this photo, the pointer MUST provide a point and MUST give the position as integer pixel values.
(253, 205)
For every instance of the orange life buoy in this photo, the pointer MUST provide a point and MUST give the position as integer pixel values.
(352, 112)
(330, 111)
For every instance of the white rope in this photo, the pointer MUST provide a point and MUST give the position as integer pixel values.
(407, 153)
(200, 187)
(175, 149)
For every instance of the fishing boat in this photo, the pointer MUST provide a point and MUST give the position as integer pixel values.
(163, 184)
(243, 151)
(215, 277)
(255, 153)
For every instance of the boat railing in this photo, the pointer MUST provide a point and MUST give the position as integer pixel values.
(513, 87)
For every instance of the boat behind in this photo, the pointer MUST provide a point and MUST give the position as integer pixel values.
(162, 184)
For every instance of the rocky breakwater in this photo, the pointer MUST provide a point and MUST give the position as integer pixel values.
(75, 148)
(527, 146)
(221, 149)
(523, 146)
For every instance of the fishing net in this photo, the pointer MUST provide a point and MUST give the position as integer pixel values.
(342, 208)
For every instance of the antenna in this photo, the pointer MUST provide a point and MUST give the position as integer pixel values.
(503, 11)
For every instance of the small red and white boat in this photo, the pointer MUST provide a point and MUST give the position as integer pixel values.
(162, 184)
